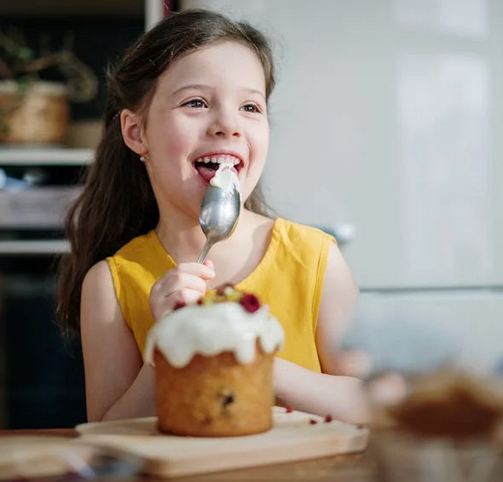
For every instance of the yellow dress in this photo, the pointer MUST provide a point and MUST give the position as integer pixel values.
(289, 279)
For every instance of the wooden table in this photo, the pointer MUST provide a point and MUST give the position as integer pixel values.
(351, 468)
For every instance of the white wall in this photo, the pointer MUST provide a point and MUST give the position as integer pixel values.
(388, 116)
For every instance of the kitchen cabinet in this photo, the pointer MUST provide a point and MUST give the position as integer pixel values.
(41, 376)
(35, 192)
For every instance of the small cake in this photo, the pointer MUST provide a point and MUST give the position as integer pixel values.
(450, 403)
(213, 362)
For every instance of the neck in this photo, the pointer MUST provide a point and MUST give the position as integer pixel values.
(183, 238)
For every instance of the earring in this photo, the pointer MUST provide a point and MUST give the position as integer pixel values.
(142, 159)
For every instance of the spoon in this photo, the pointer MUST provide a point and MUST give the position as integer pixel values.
(218, 216)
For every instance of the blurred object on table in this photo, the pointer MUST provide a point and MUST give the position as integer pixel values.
(451, 403)
(401, 457)
(446, 428)
(34, 456)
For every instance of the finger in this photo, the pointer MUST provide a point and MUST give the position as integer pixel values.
(210, 264)
(197, 269)
(164, 306)
(175, 277)
(179, 281)
(188, 296)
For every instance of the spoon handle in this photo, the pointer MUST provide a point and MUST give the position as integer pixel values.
(204, 252)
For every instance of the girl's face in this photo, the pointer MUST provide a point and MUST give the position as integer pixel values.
(208, 105)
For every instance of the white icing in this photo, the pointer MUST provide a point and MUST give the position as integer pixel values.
(225, 178)
(213, 329)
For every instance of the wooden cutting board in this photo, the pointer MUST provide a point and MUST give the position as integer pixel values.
(293, 437)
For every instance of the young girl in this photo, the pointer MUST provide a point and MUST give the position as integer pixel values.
(188, 95)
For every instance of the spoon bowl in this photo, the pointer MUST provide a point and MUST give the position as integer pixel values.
(218, 216)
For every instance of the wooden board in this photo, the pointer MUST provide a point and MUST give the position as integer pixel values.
(292, 438)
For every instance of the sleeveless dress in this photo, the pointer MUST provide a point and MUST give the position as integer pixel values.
(289, 279)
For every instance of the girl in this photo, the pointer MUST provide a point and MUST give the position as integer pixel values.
(189, 94)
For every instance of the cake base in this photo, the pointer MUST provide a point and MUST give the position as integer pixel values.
(215, 396)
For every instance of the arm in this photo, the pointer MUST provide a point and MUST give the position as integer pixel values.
(338, 396)
(342, 397)
(336, 310)
(118, 384)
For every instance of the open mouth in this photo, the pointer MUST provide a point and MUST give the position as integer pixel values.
(207, 166)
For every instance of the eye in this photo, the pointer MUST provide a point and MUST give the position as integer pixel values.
(251, 107)
(195, 104)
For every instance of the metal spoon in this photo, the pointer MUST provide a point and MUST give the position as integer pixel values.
(218, 216)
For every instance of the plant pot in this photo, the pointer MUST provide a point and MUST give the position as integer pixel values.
(35, 114)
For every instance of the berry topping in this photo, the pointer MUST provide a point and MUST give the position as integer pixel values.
(250, 303)
(179, 304)
(328, 418)
(227, 293)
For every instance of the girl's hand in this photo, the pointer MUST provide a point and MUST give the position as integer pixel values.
(185, 283)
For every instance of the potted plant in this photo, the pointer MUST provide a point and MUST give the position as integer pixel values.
(32, 108)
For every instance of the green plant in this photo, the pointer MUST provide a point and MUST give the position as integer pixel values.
(20, 63)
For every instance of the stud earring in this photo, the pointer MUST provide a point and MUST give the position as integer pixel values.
(142, 159)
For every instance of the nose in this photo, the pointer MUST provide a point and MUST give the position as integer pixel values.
(224, 124)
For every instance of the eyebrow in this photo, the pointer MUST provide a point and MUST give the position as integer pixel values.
(207, 87)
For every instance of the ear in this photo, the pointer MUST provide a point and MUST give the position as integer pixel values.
(132, 132)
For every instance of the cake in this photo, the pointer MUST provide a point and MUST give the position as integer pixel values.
(213, 362)
(450, 403)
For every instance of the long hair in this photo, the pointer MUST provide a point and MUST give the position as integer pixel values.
(117, 202)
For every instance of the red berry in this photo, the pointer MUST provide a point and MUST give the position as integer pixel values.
(312, 421)
(328, 418)
(179, 304)
(200, 301)
(250, 302)
(288, 409)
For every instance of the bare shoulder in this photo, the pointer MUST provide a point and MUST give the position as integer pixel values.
(98, 273)
(98, 294)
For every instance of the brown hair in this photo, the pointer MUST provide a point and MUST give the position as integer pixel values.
(117, 202)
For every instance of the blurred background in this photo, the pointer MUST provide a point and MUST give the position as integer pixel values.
(387, 125)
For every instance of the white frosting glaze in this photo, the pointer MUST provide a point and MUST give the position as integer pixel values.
(225, 178)
(213, 329)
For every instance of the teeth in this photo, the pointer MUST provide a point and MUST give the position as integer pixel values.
(223, 160)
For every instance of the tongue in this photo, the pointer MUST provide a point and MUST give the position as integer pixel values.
(206, 172)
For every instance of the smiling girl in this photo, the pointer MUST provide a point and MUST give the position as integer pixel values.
(188, 95)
